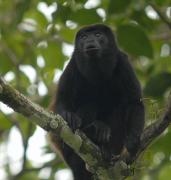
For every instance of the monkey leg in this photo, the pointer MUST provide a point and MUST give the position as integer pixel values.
(76, 164)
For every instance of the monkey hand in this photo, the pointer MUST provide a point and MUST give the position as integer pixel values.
(123, 156)
(102, 131)
(72, 119)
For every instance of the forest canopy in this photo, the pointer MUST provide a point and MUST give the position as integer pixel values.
(36, 43)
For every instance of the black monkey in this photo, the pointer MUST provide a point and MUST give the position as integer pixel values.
(99, 93)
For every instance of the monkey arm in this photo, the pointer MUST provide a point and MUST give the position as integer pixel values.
(134, 126)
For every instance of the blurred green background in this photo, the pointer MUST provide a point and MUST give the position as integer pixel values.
(36, 42)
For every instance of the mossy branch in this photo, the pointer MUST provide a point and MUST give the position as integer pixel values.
(88, 151)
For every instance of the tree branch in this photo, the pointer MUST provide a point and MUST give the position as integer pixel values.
(155, 129)
(161, 15)
(56, 124)
(89, 152)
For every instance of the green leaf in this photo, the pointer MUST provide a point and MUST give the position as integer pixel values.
(162, 144)
(30, 175)
(118, 6)
(80, 1)
(38, 17)
(134, 40)
(59, 1)
(162, 64)
(27, 127)
(5, 64)
(4, 122)
(140, 16)
(68, 34)
(21, 8)
(163, 2)
(165, 172)
(53, 55)
(85, 16)
(158, 84)
(63, 13)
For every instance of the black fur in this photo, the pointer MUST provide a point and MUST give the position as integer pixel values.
(100, 94)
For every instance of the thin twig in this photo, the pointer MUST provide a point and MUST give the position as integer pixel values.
(161, 15)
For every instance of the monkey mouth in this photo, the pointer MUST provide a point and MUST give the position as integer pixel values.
(91, 48)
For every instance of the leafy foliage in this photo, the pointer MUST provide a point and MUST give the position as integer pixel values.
(134, 35)
(118, 6)
(33, 52)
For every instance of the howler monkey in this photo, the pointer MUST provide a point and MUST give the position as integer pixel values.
(99, 94)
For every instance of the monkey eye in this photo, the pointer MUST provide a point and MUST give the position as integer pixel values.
(84, 36)
(98, 34)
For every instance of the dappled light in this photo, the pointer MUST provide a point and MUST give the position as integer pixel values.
(36, 45)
